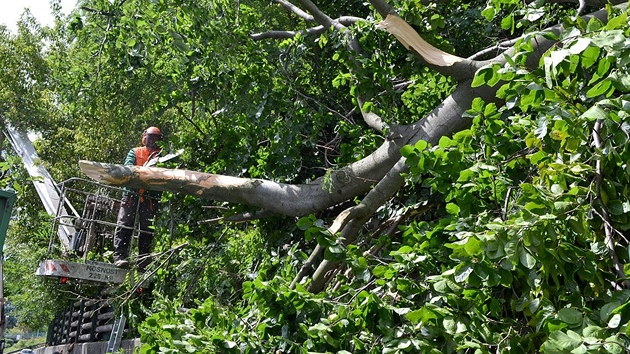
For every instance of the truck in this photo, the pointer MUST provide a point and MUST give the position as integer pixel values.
(84, 215)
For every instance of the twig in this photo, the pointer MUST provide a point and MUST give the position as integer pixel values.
(296, 10)
(506, 203)
(599, 177)
(98, 12)
(498, 47)
(312, 31)
(148, 275)
(307, 265)
(181, 112)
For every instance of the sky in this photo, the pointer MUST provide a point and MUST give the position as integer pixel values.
(11, 10)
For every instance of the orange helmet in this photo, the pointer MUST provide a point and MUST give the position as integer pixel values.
(151, 131)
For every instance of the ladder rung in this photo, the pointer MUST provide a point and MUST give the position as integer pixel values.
(116, 335)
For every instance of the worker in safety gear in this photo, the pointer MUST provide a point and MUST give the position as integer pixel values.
(141, 203)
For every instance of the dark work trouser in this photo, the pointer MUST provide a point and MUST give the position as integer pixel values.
(126, 220)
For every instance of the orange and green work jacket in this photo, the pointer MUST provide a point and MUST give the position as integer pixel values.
(138, 157)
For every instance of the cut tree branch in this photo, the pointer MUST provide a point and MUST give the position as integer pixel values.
(408, 37)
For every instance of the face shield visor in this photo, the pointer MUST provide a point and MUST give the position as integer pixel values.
(152, 141)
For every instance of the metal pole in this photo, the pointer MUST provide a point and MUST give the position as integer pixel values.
(3, 318)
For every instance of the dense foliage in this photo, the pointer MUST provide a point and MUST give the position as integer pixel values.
(509, 236)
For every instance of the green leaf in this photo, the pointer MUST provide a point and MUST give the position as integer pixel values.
(421, 145)
(615, 345)
(595, 113)
(620, 22)
(582, 349)
(612, 39)
(367, 106)
(379, 271)
(414, 316)
(423, 314)
(336, 249)
(570, 316)
(490, 109)
(615, 207)
(590, 56)
(557, 57)
(466, 175)
(305, 222)
(452, 209)
(482, 76)
(621, 81)
(564, 340)
(178, 42)
(407, 150)
(593, 331)
(404, 343)
(446, 142)
(563, 207)
(441, 286)
(477, 105)
(608, 309)
(603, 67)
(462, 274)
(473, 246)
(601, 88)
(614, 321)
(580, 45)
(526, 259)
(537, 157)
(488, 13)
(452, 326)
(507, 23)
(533, 206)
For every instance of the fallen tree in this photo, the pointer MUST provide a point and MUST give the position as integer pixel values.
(374, 179)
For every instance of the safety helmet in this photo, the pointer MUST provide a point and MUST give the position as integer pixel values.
(151, 131)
